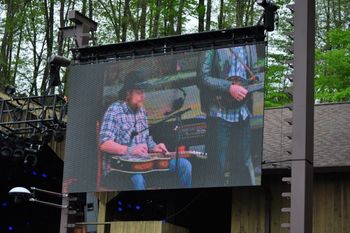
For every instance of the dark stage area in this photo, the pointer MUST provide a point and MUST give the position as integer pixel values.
(27, 216)
(199, 210)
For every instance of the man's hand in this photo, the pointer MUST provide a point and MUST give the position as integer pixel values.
(238, 92)
(160, 148)
(139, 150)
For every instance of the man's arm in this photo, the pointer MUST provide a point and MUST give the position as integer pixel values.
(108, 132)
(217, 84)
(207, 79)
(112, 147)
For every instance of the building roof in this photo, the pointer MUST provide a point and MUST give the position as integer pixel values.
(331, 136)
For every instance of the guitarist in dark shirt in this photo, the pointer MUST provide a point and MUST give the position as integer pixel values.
(226, 101)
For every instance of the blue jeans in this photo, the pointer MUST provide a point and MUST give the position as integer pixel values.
(184, 174)
(229, 152)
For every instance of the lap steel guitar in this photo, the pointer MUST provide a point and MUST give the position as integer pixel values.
(150, 163)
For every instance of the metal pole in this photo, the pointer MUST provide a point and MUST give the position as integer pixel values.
(303, 117)
(48, 203)
(49, 192)
(64, 215)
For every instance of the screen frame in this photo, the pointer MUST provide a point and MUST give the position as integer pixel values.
(170, 44)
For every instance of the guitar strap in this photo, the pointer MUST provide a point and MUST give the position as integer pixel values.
(251, 74)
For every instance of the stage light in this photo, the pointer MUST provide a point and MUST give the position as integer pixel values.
(6, 152)
(5, 204)
(270, 9)
(43, 175)
(119, 203)
(56, 62)
(46, 136)
(10, 228)
(263, 3)
(120, 209)
(58, 135)
(137, 207)
(18, 154)
(30, 161)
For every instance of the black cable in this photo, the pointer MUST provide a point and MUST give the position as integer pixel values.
(277, 161)
(282, 161)
(183, 208)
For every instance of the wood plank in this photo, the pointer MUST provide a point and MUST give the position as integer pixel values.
(331, 206)
(248, 210)
(346, 206)
(145, 227)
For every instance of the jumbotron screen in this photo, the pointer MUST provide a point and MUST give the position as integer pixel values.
(179, 120)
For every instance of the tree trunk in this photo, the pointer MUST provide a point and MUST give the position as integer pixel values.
(171, 18)
(179, 17)
(155, 32)
(239, 12)
(248, 15)
(7, 43)
(201, 13)
(111, 14)
(125, 19)
(91, 10)
(49, 14)
(143, 19)
(134, 22)
(208, 18)
(17, 54)
(221, 15)
(150, 22)
(119, 19)
(83, 7)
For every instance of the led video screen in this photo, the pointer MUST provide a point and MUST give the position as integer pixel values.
(179, 120)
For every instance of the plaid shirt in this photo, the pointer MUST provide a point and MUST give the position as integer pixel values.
(120, 121)
(235, 69)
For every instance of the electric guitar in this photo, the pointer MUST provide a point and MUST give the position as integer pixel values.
(150, 163)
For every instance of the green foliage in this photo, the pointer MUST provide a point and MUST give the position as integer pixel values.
(24, 32)
(332, 82)
(275, 87)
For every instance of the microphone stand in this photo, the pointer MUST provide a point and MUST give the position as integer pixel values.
(170, 116)
(178, 127)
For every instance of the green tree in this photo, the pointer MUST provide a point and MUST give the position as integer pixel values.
(332, 82)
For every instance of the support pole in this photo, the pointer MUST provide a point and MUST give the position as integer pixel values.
(303, 117)
(64, 215)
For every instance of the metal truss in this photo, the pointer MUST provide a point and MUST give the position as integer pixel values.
(32, 115)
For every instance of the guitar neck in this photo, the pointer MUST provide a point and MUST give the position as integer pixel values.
(254, 87)
(173, 154)
(169, 154)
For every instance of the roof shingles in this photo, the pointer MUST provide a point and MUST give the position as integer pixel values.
(331, 136)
